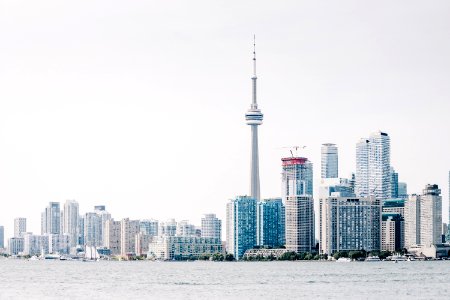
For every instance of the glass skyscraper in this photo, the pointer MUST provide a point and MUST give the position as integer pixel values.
(329, 161)
(241, 225)
(373, 173)
(271, 225)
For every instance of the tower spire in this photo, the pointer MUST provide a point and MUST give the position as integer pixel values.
(254, 118)
(254, 55)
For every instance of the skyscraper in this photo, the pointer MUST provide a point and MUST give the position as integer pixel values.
(128, 230)
(349, 223)
(149, 227)
(329, 161)
(51, 219)
(297, 191)
(70, 221)
(412, 221)
(20, 226)
(241, 225)
(402, 190)
(394, 184)
(271, 224)
(254, 118)
(2, 237)
(423, 217)
(211, 227)
(373, 176)
(431, 215)
(93, 230)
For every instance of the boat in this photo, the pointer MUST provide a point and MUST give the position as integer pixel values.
(372, 259)
(34, 257)
(90, 254)
(52, 256)
(398, 257)
(344, 259)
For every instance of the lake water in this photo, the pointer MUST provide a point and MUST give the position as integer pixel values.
(21, 279)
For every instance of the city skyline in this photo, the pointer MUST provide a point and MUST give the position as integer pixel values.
(88, 118)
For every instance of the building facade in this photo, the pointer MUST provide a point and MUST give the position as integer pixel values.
(329, 161)
(2, 237)
(271, 223)
(51, 219)
(431, 215)
(373, 170)
(184, 228)
(392, 232)
(412, 221)
(20, 226)
(211, 227)
(15, 245)
(182, 247)
(168, 228)
(128, 230)
(423, 217)
(348, 224)
(241, 225)
(70, 221)
(35, 244)
(297, 191)
(149, 227)
(394, 184)
(112, 236)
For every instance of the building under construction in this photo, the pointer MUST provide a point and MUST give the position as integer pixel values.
(297, 178)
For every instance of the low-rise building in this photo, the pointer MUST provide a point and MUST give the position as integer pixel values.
(265, 253)
(181, 247)
(35, 244)
(430, 251)
(15, 245)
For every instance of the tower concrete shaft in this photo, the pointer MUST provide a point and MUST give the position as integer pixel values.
(254, 118)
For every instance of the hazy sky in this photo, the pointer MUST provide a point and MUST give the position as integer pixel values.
(139, 105)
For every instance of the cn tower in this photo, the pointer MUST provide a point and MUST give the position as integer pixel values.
(254, 118)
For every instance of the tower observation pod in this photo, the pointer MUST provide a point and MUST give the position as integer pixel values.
(254, 118)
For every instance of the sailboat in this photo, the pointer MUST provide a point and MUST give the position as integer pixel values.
(90, 254)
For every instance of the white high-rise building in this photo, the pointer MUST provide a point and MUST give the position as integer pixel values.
(254, 118)
(35, 244)
(423, 218)
(128, 230)
(168, 228)
(373, 175)
(2, 237)
(51, 219)
(329, 162)
(349, 223)
(431, 216)
(70, 221)
(20, 226)
(412, 221)
(184, 228)
(112, 236)
(211, 227)
(149, 227)
(92, 230)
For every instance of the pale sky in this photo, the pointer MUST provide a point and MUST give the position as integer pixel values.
(139, 105)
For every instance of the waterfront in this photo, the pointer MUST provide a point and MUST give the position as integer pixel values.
(22, 279)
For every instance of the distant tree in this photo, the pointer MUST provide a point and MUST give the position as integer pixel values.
(308, 256)
(229, 257)
(384, 254)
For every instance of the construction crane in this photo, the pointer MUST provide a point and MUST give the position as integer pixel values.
(294, 148)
